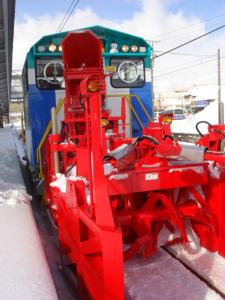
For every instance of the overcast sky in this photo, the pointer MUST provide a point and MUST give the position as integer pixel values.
(169, 22)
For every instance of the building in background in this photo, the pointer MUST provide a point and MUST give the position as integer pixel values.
(190, 101)
(16, 102)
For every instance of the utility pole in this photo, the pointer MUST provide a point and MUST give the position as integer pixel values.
(220, 103)
(152, 73)
(152, 78)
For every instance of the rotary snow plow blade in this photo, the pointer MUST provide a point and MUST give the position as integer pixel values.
(114, 194)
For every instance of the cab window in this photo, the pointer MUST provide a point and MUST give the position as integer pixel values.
(49, 74)
(129, 73)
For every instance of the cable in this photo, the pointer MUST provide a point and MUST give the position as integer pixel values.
(177, 70)
(182, 28)
(191, 31)
(188, 63)
(187, 54)
(208, 84)
(191, 41)
(181, 69)
(69, 13)
(71, 4)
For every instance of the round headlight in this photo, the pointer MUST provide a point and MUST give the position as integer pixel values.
(52, 47)
(125, 48)
(60, 48)
(41, 48)
(134, 48)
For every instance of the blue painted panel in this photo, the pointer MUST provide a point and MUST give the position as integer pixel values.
(40, 104)
(146, 97)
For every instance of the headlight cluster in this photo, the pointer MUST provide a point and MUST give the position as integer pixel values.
(51, 48)
(125, 48)
(113, 48)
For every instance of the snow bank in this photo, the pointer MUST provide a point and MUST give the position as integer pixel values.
(209, 114)
(13, 198)
(24, 272)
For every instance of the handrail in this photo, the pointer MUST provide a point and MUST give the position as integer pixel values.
(22, 129)
(131, 108)
(59, 106)
(129, 103)
(47, 130)
(142, 105)
(136, 115)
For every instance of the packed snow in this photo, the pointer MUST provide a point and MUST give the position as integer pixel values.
(210, 266)
(24, 272)
(60, 182)
(161, 277)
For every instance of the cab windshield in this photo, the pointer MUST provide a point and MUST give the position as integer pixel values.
(49, 74)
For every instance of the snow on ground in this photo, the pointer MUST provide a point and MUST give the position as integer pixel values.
(164, 278)
(209, 114)
(24, 272)
(210, 266)
(161, 277)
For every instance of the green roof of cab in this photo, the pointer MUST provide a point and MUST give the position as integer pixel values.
(109, 35)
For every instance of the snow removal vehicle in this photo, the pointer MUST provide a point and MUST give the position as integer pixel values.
(111, 194)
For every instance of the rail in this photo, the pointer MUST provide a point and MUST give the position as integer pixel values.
(48, 129)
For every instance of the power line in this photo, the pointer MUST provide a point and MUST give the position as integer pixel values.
(191, 31)
(208, 84)
(71, 4)
(184, 27)
(186, 64)
(68, 14)
(187, 54)
(191, 41)
(188, 67)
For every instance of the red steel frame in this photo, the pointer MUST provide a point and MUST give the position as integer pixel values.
(213, 141)
(148, 187)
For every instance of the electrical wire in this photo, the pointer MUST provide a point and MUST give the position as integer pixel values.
(208, 84)
(184, 68)
(185, 27)
(191, 41)
(68, 14)
(185, 64)
(187, 54)
(188, 67)
(191, 31)
(69, 8)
